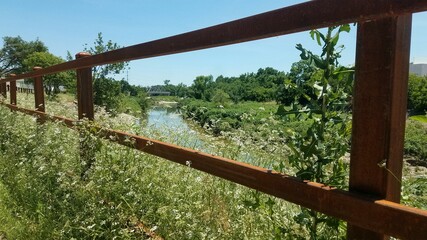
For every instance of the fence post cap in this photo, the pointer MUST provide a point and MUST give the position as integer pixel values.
(83, 54)
(37, 68)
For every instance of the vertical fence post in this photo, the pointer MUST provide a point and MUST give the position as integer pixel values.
(39, 95)
(84, 90)
(38, 92)
(379, 111)
(3, 89)
(12, 90)
(85, 110)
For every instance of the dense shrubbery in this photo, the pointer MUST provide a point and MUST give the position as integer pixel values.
(46, 198)
(218, 118)
(417, 94)
(416, 140)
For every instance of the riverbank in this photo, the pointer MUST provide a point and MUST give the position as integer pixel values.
(40, 174)
(258, 121)
(272, 133)
(41, 178)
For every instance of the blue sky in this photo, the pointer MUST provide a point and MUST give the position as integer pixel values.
(67, 25)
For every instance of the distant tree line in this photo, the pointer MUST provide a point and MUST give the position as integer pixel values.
(260, 86)
(267, 84)
(296, 86)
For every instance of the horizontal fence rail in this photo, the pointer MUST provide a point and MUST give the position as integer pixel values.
(384, 216)
(297, 18)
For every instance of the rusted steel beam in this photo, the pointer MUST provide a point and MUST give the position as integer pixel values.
(357, 209)
(296, 18)
(379, 111)
(42, 115)
(84, 90)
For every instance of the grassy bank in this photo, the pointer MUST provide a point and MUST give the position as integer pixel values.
(247, 116)
(419, 118)
(257, 121)
(40, 173)
(43, 196)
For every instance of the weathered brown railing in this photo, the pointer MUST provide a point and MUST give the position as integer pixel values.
(371, 206)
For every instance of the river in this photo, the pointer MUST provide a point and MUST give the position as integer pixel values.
(167, 124)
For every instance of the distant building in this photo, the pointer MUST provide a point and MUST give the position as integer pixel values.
(21, 86)
(418, 68)
(158, 90)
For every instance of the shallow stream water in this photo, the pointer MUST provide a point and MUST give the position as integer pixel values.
(170, 125)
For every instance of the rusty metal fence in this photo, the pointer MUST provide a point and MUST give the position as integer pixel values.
(371, 206)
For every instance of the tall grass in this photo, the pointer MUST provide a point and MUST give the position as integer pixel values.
(42, 194)
(42, 189)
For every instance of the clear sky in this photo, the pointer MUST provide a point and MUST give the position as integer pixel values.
(66, 25)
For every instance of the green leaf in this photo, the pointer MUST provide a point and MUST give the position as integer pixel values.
(304, 53)
(319, 62)
(344, 28)
(335, 39)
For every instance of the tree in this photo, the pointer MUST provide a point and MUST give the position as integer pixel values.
(14, 51)
(143, 101)
(200, 87)
(260, 86)
(99, 46)
(269, 77)
(220, 97)
(417, 94)
(181, 90)
(107, 93)
(297, 84)
(232, 86)
(317, 155)
(51, 82)
(106, 90)
(128, 89)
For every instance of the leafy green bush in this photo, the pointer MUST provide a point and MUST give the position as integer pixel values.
(231, 116)
(417, 93)
(416, 140)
